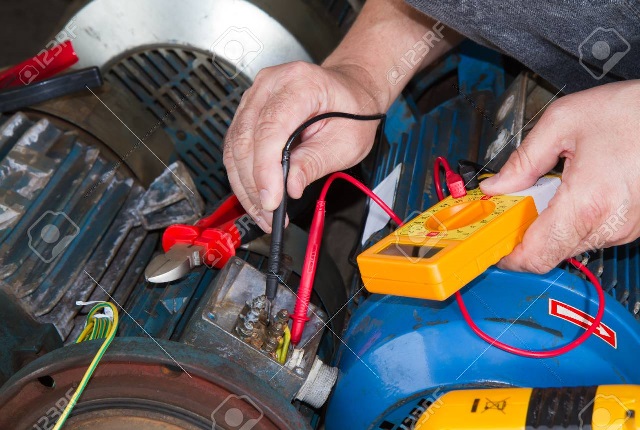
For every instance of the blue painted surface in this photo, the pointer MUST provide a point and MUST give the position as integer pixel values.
(405, 348)
(400, 119)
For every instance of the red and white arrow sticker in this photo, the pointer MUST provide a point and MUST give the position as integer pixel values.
(582, 319)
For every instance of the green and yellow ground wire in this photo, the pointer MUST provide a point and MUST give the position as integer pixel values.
(99, 326)
(283, 346)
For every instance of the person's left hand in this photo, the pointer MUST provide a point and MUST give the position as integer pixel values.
(597, 132)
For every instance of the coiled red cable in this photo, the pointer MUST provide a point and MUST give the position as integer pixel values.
(548, 353)
(503, 346)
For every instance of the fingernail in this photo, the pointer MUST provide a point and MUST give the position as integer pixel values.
(262, 223)
(266, 200)
(492, 179)
(489, 182)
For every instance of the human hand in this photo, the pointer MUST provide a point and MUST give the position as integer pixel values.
(281, 98)
(598, 203)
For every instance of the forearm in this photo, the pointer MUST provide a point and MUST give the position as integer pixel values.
(388, 44)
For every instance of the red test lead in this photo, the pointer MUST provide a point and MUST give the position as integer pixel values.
(310, 264)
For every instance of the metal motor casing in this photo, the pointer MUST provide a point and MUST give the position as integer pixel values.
(136, 387)
(198, 24)
(171, 56)
(403, 353)
(158, 53)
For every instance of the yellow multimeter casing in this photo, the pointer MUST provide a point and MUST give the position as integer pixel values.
(443, 249)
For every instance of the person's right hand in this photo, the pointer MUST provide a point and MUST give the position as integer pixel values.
(280, 99)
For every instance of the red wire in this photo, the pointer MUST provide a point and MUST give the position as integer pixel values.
(361, 187)
(436, 174)
(508, 348)
(299, 315)
(552, 352)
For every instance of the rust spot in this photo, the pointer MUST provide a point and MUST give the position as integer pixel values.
(171, 370)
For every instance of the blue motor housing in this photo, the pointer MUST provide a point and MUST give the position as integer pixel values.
(402, 353)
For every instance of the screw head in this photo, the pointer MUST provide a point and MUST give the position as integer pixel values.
(299, 371)
(283, 314)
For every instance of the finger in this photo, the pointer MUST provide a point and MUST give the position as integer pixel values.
(240, 141)
(552, 237)
(252, 210)
(312, 161)
(538, 153)
(287, 107)
(331, 150)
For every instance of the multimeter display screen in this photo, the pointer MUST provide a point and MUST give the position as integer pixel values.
(407, 250)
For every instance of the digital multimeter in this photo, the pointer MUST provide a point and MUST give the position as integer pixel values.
(444, 248)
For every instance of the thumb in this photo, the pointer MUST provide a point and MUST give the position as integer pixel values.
(538, 153)
(551, 238)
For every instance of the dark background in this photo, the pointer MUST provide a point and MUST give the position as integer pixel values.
(26, 26)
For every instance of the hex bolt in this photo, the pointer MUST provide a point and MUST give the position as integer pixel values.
(259, 302)
(283, 316)
(275, 331)
(271, 344)
(245, 329)
(255, 340)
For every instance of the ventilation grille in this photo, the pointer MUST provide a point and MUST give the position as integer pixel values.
(193, 101)
(618, 269)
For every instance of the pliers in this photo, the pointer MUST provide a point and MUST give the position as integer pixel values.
(211, 241)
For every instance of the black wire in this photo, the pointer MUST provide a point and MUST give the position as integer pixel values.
(480, 169)
(322, 116)
(277, 231)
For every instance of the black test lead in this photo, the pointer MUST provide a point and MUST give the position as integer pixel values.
(279, 215)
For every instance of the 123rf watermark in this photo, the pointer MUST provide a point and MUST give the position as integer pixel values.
(418, 245)
(223, 247)
(423, 411)
(237, 46)
(414, 56)
(602, 50)
(49, 419)
(234, 413)
(611, 226)
(51, 234)
(44, 58)
(608, 410)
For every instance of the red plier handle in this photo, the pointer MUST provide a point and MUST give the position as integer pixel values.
(219, 234)
(44, 65)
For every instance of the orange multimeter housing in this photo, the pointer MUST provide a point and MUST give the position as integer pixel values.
(443, 249)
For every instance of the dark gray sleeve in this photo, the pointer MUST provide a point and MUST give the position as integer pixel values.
(575, 44)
